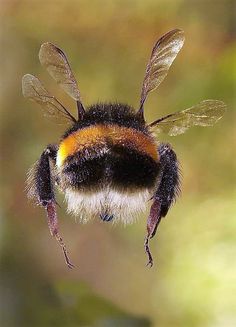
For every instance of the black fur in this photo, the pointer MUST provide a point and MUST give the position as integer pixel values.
(85, 170)
(120, 167)
(169, 185)
(132, 168)
(43, 177)
(168, 188)
(109, 113)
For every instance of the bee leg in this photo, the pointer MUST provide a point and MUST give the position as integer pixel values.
(168, 189)
(44, 191)
(53, 227)
(154, 219)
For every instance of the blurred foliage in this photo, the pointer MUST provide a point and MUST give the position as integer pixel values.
(108, 43)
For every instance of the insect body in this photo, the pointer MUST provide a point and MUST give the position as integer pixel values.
(109, 163)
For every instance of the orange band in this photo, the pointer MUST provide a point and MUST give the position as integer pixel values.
(98, 134)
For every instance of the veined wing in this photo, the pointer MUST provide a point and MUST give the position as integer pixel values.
(162, 57)
(57, 65)
(206, 113)
(33, 89)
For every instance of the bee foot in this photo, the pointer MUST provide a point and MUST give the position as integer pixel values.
(148, 252)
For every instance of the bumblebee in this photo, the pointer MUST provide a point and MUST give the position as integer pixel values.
(109, 163)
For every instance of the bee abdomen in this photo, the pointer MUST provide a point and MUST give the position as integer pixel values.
(121, 167)
(108, 155)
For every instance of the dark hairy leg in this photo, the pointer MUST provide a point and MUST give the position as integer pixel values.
(167, 190)
(43, 184)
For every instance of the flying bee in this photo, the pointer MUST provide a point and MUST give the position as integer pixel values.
(109, 163)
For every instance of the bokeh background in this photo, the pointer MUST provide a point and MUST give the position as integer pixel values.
(193, 281)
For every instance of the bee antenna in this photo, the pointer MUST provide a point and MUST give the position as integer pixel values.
(81, 110)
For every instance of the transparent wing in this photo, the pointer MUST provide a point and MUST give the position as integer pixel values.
(206, 113)
(33, 89)
(56, 63)
(163, 55)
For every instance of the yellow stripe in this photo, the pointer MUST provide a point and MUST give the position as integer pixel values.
(98, 134)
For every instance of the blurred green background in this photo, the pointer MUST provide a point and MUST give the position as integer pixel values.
(193, 281)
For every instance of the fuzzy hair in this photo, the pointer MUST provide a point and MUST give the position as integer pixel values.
(125, 207)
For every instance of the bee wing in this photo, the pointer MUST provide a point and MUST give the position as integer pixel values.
(205, 113)
(57, 65)
(162, 56)
(34, 90)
